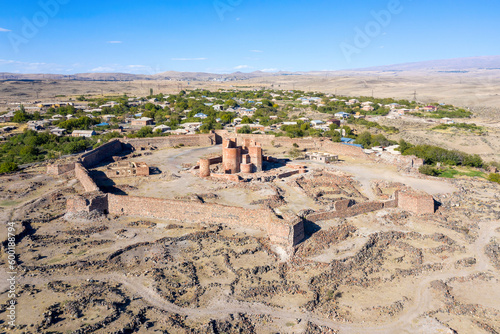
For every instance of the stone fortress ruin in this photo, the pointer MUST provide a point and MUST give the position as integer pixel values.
(242, 156)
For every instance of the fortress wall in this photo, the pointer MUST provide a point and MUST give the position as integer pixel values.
(86, 181)
(101, 153)
(188, 211)
(264, 219)
(171, 141)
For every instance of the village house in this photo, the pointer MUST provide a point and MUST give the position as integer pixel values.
(83, 133)
(200, 115)
(144, 121)
(106, 118)
(161, 128)
(58, 132)
(321, 157)
(316, 123)
(7, 117)
(342, 115)
(430, 108)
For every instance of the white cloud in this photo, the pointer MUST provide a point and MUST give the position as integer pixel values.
(270, 70)
(115, 42)
(27, 67)
(256, 51)
(4, 30)
(137, 66)
(188, 59)
(16, 66)
(241, 67)
(102, 69)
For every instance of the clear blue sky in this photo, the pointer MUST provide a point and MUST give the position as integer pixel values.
(224, 36)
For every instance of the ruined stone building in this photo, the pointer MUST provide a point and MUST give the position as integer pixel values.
(125, 169)
(322, 157)
(245, 159)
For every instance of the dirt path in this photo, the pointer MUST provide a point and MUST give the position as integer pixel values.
(406, 322)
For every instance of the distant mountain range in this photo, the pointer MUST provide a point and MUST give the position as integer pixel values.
(456, 64)
(445, 65)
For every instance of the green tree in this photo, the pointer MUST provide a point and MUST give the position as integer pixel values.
(365, 139)
(245, 129)
(145, 131)
(7, 167)
(21, 115)
(428, 170)
(246, 120)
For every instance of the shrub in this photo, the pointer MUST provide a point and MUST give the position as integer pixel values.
(428, 170)
(294, 153)
(494, 177)
(7, 167)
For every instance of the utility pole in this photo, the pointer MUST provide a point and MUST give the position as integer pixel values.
(415, 96)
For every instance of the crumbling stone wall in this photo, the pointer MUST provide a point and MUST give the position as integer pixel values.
(101, 153)
(288, 174)
(402, 161)
(93, 201)
(83, 176)
(343, 210)
(57, 169)
(227, 177)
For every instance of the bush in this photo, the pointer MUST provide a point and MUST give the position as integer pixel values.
(294, 153)
(7, 167)
(428, 170)
(433, 154)
(245, 129)
(494, 177)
